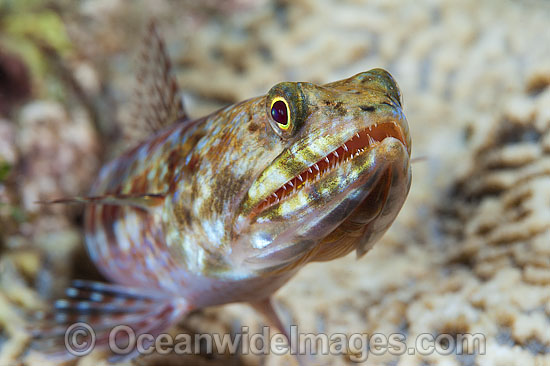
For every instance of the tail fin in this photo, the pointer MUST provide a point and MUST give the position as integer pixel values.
(85, 320)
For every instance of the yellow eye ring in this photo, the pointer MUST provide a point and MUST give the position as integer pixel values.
(280, 112)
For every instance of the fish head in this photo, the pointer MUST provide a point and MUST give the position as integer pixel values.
(339, 180)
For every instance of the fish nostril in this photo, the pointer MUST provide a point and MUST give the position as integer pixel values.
(367, 108)
(393, 104)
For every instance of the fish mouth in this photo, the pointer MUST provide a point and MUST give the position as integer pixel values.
(360, 143)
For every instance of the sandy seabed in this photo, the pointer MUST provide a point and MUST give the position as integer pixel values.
(470, 251)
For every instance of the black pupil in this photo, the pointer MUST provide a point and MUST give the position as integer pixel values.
(279, 112)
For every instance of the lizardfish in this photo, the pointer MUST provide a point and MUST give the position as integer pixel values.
(228, 207)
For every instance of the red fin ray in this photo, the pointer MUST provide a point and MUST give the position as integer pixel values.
(110, 289)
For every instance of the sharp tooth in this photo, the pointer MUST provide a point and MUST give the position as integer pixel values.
(336, 154)
(326, 160)
(275, 195)
(300, 177)
(291, 184)
(316, 166)
(284, 187)
(345, 147)
(309, 170)
(357, 134)
(371, 140)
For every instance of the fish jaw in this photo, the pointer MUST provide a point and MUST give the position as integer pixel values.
(347, 196)
(376, 212)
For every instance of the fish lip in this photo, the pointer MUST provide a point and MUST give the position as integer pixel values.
(397, 131)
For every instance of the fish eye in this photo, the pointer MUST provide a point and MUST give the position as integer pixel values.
(280, 112)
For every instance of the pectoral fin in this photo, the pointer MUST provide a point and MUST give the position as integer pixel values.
(267, 309)
(143, 201)
(100, 307)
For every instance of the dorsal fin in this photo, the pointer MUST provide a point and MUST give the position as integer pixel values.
(156, 101)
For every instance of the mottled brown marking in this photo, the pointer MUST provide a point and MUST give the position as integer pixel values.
(193, 163)
(184, 215)
(253, 127)
(109, 216)
(139, 185)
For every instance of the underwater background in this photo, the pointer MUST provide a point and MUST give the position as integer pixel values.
(469, 252)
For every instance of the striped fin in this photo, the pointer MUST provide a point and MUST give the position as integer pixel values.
(102, 307)
(156, 101)
(143, 201)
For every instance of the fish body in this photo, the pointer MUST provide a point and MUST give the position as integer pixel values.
(228, 207)
(210, 172)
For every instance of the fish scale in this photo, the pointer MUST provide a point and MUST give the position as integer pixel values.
(228, 207)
